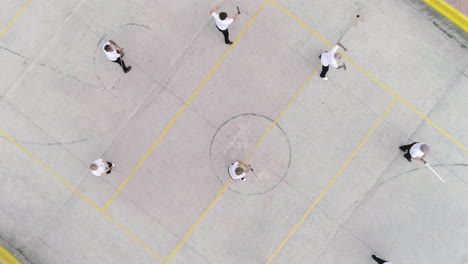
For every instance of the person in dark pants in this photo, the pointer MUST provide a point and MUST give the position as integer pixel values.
(380, 261)
(115, 53)
(100, 167)
(223, 22)
(415, 150)
(329, 58)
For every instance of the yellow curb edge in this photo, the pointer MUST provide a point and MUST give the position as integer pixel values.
(6, 257)
(449, 12)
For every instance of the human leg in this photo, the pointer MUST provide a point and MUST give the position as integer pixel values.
(122, 64)
(226, 35)
(110, 165)
(324, 71)
(407, 156)
(378, 260)
(407, 147)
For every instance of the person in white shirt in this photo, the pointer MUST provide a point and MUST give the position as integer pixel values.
(223, 22)
(329, 58)
(238, 169)
(380, 261)
(415, 150)
(100, 167)
(115, 53)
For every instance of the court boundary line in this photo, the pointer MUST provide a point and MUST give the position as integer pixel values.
(14, 18)
(254, 149)
(82, 196)
(102, 210)
(398, 97)
(184, 107)
(332, 181)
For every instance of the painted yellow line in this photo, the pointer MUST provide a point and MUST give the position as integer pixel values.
(189, 233)
(300, 22)
(82, 196)
(133, 237)
(329, 185)
(281, 114)
(376, 80)
(168, 127)
(226, 186)
(408, 105)
(6, 257)
(14, 18)
(449, 12)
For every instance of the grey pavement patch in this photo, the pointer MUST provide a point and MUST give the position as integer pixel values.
(264, 187)
(67, 105)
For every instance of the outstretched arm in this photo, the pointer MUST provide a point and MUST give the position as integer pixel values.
(212, 10)
(421, 158)
(341, 46)
(235, 16)
(342, 66)
(248, 168)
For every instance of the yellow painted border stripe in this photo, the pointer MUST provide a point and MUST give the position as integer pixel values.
(82, 196)
(332, 181)
(375, 80)
(168, 127)
(449, 12)
(14, 18)
(6, 257)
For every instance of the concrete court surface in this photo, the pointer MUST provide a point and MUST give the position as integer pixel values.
(331, 185)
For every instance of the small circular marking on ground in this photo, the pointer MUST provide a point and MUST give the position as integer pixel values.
(234, 140)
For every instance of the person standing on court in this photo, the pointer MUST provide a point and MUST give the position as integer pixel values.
(415, 150)
(100, 167)
(223, 22)
(380, 261)
(238, 169)
(329, 58)
(115, 53)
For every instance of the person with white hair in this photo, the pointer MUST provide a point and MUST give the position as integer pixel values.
(329, 58)
(238, 169)
(415, 150)
(100, 167)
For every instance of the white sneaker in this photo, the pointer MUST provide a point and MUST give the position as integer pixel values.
(113, 165)
(325, 78)
(243, 179)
